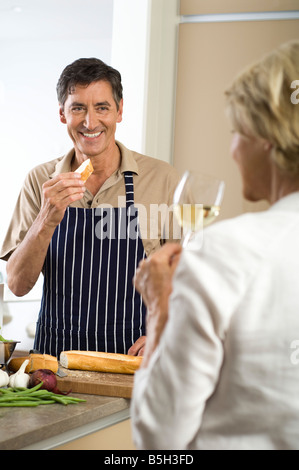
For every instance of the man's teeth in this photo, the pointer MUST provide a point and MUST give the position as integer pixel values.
(92, 135)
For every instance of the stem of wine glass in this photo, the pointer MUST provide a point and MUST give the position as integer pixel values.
(185, 239)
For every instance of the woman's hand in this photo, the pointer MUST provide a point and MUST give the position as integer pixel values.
(153, 280)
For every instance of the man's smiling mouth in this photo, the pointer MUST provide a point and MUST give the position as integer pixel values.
(91, 136)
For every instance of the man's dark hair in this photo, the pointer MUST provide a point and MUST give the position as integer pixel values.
(85, 72)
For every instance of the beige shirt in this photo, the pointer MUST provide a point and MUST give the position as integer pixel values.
(154, 185)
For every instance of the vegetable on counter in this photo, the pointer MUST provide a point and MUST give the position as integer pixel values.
(4, 378)
(48, 380)
(20, 378)
(30, 397)
(30, 390)
(5, 340)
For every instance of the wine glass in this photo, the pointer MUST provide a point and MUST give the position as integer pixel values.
(197, 201)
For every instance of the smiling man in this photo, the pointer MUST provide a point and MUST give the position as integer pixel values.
(89, 301)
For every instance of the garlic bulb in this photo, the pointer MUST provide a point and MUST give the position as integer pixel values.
(4, 378)
(20, 378)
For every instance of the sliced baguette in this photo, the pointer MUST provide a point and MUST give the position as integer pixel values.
(85, 169)
(100, 361)
(36, 361)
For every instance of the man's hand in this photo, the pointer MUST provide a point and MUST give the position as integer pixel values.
(58, 194)
(25, 264)
(137, 349)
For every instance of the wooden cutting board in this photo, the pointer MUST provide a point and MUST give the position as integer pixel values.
(96, 383)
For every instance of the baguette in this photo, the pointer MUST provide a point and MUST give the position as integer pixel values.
(100, 361)
(36, 361)
(85, 169)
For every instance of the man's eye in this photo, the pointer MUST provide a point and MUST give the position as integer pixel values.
(102, 109)
(77, 109)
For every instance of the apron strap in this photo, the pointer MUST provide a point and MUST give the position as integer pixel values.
(129, 188)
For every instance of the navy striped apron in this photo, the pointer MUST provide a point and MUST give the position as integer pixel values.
(89, 302)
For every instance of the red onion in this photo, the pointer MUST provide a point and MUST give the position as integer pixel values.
(49, 381)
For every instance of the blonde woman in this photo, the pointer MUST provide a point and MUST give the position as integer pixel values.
(219, 369)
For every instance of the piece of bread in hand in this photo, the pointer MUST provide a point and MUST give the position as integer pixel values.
(85, 169)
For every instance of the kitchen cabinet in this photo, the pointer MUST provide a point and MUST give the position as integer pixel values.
(115, 437)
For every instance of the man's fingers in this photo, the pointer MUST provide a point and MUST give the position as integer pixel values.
(137, 347)
(64, 180)
(66, 187)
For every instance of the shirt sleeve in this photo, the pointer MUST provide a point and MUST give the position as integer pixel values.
(170, 395)
(25, 212)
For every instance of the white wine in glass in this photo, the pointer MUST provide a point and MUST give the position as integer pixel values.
(197, 201)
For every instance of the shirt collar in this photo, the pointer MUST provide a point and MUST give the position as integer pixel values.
(127, 163)
(287, 203)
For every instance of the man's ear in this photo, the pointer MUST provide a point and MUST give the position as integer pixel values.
(120, 111)
(61, 114)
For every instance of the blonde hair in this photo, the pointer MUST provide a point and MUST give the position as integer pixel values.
(259, 104)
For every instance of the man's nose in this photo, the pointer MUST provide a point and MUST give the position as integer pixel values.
(91, 120)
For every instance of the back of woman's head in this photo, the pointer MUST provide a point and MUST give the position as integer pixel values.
(260, 103)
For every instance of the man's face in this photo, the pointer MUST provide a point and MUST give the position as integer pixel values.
(91, 115)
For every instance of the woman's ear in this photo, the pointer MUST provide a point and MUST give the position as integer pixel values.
(267, 146)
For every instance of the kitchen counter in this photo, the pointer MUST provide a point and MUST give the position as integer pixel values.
(52, 426)
(49, 426)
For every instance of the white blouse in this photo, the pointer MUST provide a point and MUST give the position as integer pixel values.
(226, 372)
